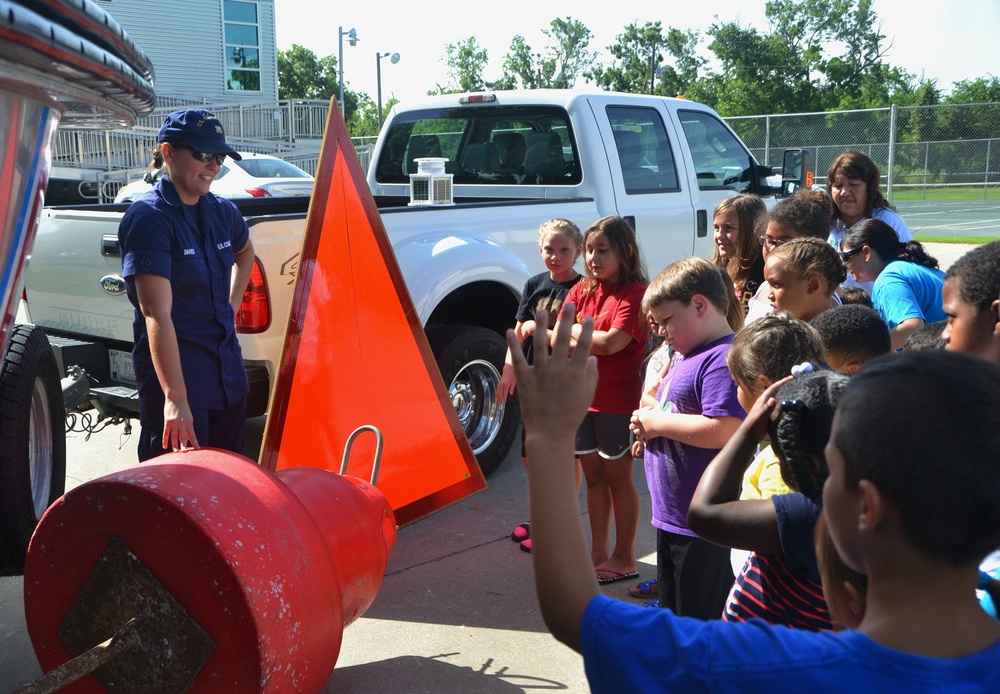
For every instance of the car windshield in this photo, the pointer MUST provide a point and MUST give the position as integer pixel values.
(270, 168)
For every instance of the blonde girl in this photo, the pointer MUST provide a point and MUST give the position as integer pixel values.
(560, 243)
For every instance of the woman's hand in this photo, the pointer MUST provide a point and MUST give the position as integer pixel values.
(178, 426)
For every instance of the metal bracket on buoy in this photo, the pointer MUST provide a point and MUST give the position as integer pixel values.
(378, 449)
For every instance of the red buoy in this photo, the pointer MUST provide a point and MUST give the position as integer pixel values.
(243, 580)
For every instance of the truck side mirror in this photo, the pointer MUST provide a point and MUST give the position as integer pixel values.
(796, 171)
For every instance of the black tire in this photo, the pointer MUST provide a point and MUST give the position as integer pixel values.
(32, 441)
(471, 359)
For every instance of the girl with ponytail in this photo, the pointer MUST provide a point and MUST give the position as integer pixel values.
(907, 282)
(780, 581)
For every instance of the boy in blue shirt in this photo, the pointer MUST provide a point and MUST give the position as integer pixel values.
(914, 512)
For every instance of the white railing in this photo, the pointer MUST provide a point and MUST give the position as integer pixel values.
(268, 128)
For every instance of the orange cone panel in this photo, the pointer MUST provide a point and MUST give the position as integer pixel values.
(355, 354)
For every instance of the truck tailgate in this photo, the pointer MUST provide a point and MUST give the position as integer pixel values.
(73, 278)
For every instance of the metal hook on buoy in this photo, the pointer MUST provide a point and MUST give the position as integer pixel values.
(378, 449)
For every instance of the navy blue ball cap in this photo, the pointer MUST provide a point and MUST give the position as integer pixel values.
(199, 129)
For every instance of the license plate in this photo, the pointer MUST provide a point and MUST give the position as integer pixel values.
(121, 367)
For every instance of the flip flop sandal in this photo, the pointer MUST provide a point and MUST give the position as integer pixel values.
(646, 589)
(615, 575)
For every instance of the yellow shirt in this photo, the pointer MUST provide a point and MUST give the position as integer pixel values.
(762, 479)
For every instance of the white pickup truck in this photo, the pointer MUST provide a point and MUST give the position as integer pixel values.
(516, 159)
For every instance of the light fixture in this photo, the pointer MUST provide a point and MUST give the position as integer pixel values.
(352, 38)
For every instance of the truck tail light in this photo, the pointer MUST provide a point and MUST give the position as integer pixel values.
(254, 314)
(258, 192)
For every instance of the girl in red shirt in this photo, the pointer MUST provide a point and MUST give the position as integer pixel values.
(612, 294)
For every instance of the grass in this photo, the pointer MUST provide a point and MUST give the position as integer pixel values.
(975, 240)
(969, 193)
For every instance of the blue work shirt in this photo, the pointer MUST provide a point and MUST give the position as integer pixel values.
(194, 246)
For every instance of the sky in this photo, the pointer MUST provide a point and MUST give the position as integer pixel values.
(943, 41)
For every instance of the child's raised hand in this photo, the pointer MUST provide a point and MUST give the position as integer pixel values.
(760, 414)
(557, 389)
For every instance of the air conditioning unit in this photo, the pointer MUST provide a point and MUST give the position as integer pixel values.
(430, 185)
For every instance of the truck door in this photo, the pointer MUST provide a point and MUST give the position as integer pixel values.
(721, 164)
(649, 190)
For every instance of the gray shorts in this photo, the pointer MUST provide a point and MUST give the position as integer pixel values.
(606, 434)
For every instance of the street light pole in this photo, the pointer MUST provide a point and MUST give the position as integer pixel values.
(352, 37)
(378, 73)
(652, 69)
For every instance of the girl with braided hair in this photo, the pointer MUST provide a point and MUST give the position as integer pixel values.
(780, 581)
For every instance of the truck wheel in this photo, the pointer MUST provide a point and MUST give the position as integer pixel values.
(470, 359)
(32, 441)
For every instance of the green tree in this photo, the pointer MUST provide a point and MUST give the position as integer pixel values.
(301, 75)
(364, 120)
(760, 72)
(521, 68)
(567, 54)
(565, 58)
(981, 90)
(816, 55)
(637, 53)
(466, 61)
(682, 76)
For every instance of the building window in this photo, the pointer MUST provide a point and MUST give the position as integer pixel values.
(242, 46)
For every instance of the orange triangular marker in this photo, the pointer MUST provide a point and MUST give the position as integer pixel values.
(355, 354)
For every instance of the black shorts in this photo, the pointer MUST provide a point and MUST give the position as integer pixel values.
(606, 434)
(695, 576)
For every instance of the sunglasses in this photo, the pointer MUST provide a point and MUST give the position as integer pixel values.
(770, 243)
(846, 255)
(203, 157)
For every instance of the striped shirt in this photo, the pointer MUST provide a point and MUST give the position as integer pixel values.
(784, 588)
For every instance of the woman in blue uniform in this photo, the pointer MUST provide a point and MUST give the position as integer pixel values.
(187, 258)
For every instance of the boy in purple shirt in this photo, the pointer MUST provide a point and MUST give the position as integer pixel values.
(697, 412)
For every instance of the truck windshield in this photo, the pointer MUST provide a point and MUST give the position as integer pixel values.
(488, 145)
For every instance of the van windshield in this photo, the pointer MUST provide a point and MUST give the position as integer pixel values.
(489, 145)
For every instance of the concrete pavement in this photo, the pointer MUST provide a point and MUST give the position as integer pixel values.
(457, 611)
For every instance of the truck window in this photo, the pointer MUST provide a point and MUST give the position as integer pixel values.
(644, 153)
(487, 145)
(720, 160)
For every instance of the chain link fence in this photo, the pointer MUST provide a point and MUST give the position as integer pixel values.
(940, 164)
